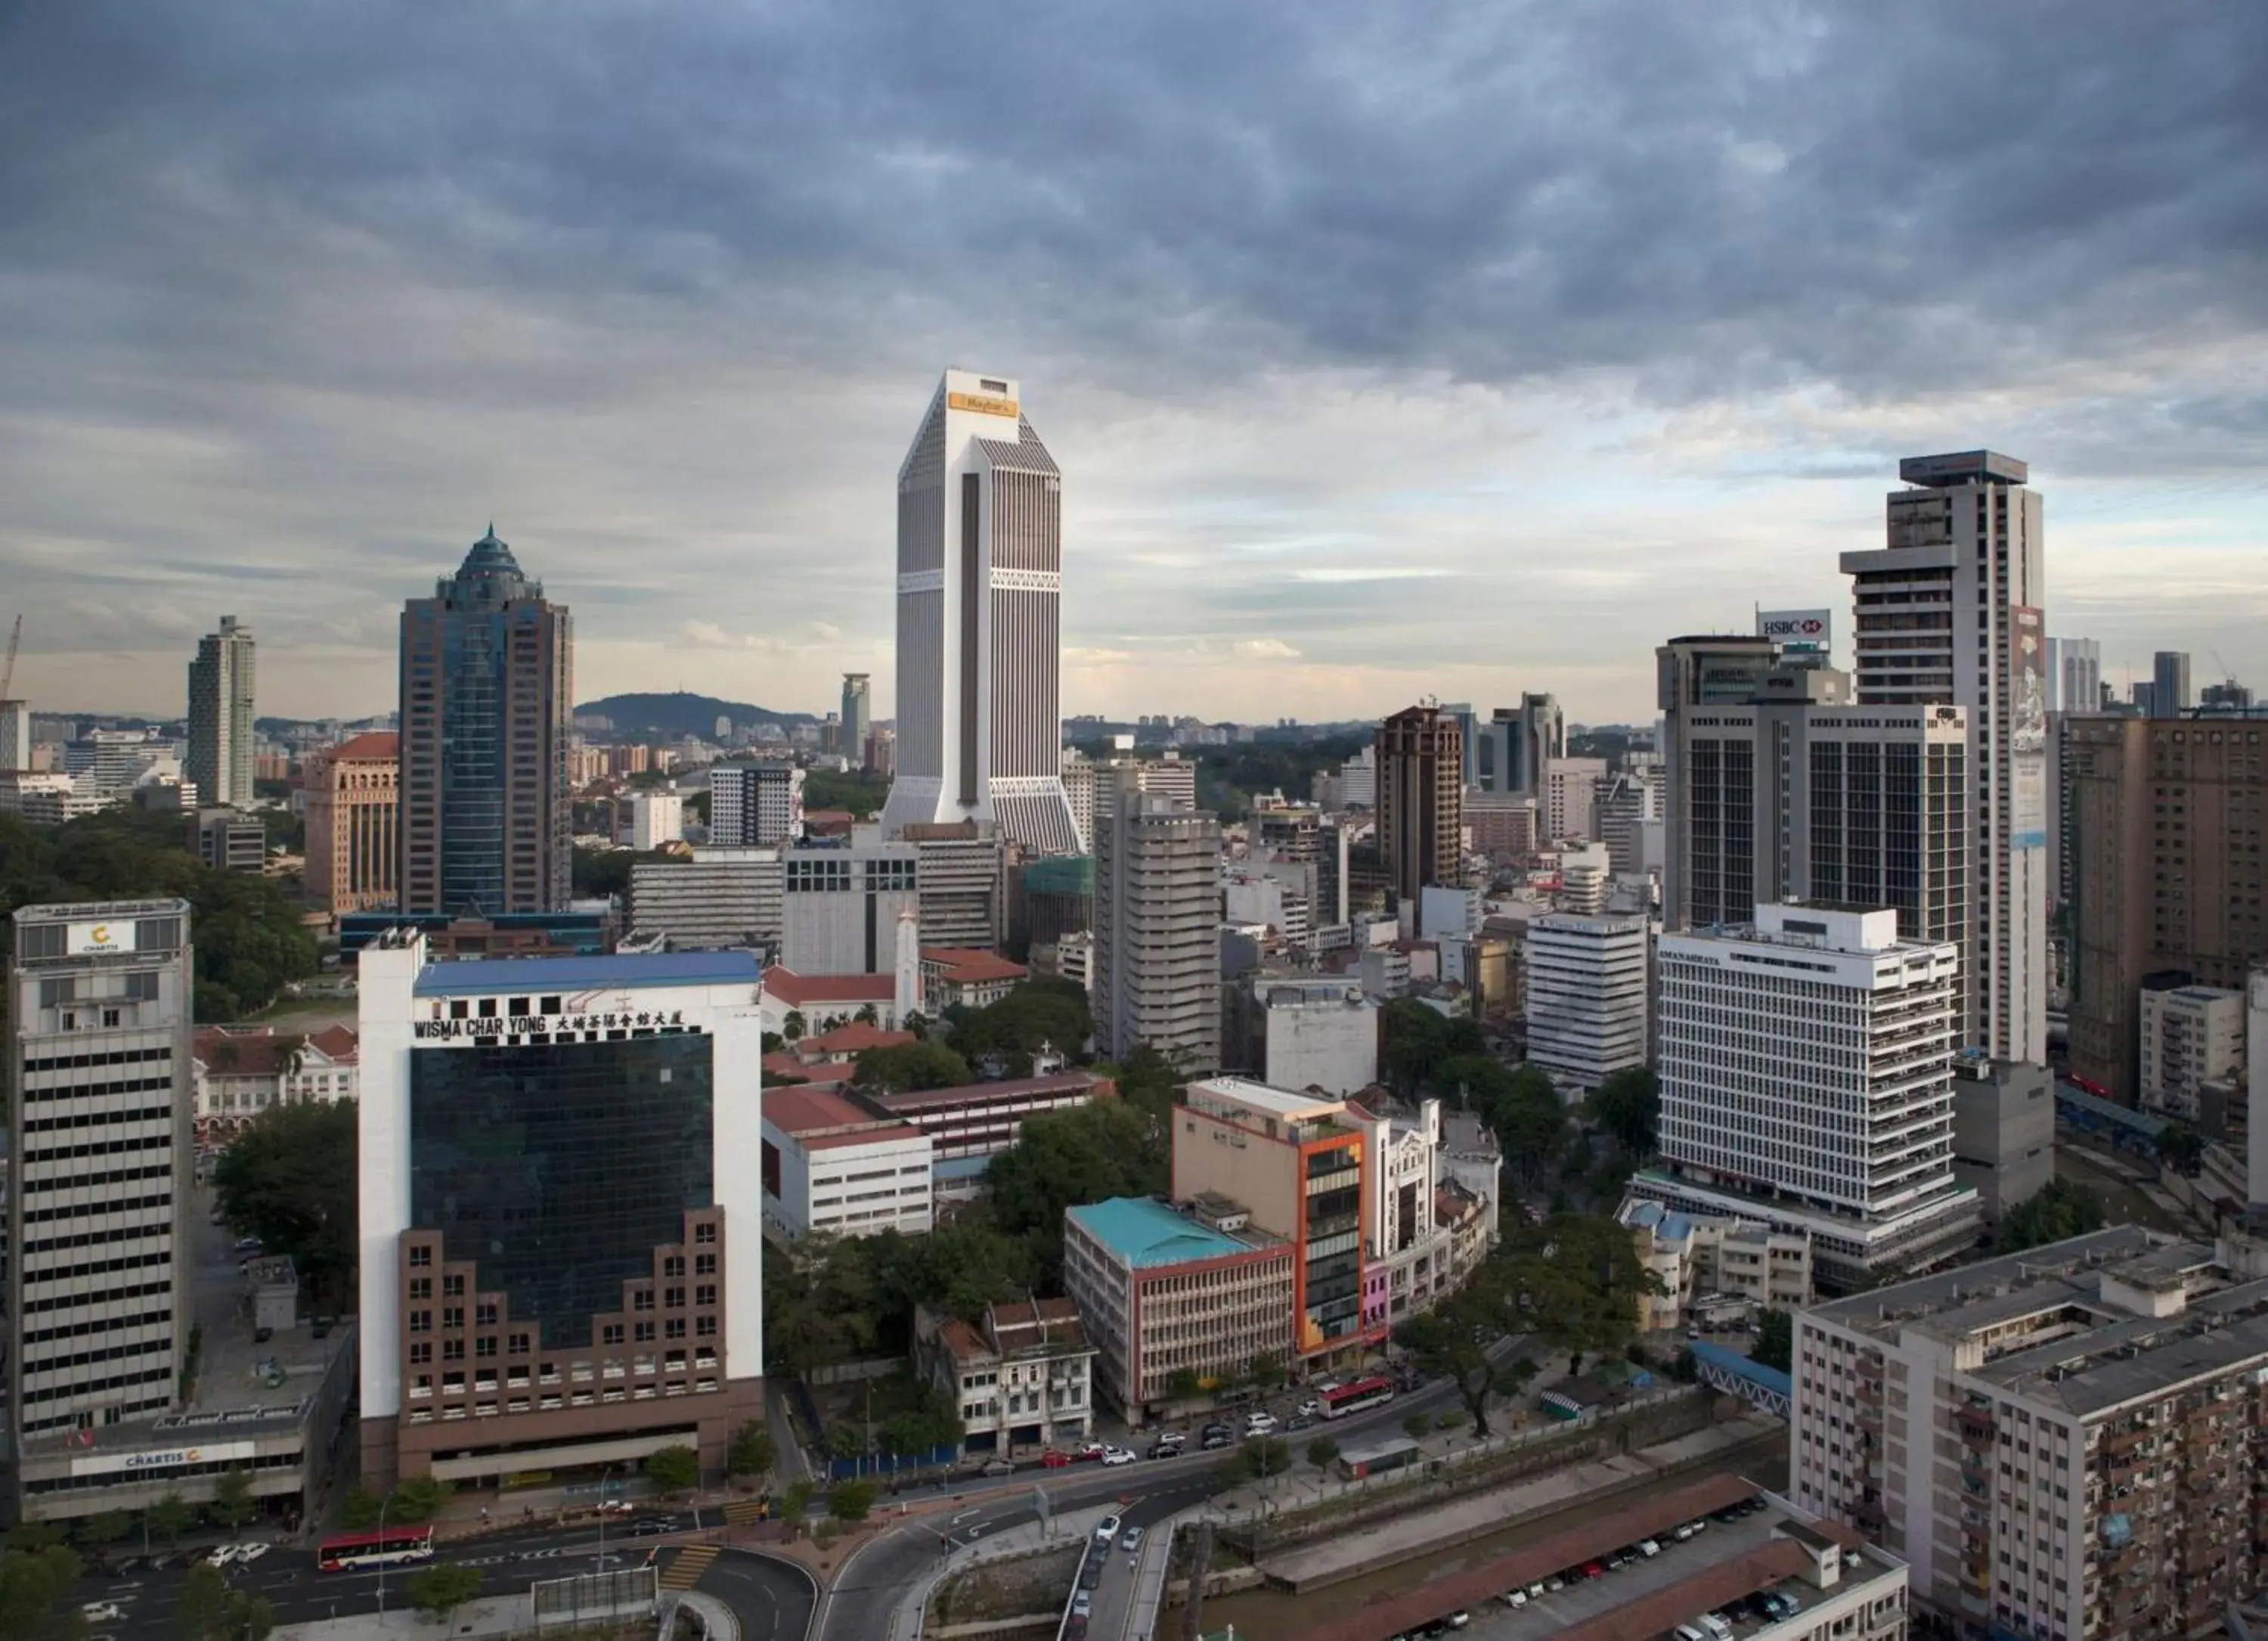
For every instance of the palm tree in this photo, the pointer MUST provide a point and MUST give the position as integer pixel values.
(867, 1016)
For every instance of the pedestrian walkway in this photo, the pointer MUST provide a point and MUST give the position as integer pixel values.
(686, 1567)
(745, 1512)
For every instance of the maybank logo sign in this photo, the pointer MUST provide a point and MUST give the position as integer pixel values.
(91, 940)
(982, 404)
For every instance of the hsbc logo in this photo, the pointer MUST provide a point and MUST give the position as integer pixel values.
(1807, 626)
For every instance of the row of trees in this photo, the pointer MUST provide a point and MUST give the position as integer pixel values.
(249, 941)
(289, 1180)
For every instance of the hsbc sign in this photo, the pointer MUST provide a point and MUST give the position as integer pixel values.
(1797, 629)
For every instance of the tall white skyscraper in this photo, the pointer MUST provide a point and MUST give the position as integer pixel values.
(1951, 612)
(220, 717)
(1157, 926)
(979, 596)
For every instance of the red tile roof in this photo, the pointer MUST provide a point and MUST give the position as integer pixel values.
(844, 1041)
(784, 1069)
(796, 990)
(259, 1052)
(968, 965)
(800, 1111)
(1008, 1089)
(378, 746)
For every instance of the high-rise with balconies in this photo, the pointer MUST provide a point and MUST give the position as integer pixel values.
(1157, 926)
(221, 734)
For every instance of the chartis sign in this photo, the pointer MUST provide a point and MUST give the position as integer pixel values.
(92, 940)
(529, 1024)
(159, 1459)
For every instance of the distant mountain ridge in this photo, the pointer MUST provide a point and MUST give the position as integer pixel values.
(679, 713)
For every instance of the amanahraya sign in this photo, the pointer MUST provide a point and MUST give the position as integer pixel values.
(2028, 729)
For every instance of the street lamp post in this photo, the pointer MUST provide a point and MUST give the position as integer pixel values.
(604, 1477)
(382, 1504)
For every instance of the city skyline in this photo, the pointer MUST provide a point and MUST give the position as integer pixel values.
(1430, 391)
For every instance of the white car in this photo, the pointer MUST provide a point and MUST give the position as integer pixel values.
(1312, 1407)
(1259, 1423)
(1106, 1529)
(1118, 1455)
(1514, 1598)
(101, 1613)
(251, 1551)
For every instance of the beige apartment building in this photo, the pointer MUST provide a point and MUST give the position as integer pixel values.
(2067, 1442)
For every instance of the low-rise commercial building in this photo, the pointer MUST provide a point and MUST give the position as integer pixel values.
(831, 1165)
(967, 1126)
(2004, 1116)
(1698, 1256)
(1171, 1299)
(2068, 1441)
(229, 841)
(2191, 1036)
(1021, 1376)
(959, 977)
(242, 1072)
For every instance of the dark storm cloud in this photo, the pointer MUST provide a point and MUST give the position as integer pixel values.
(1879, 195)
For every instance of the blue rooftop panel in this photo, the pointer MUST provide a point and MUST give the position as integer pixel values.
(486, 977)
(1733, 1362)
(1145, 1232)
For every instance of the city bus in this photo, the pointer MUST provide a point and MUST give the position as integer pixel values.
(349, 1552)
(1356, 1396)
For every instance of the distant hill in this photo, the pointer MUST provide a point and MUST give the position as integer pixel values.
(680, 714)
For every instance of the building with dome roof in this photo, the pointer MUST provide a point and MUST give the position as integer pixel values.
(487, 702)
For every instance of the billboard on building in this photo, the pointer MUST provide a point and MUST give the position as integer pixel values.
(1798, 633)
(2028, 729)
(95, 940)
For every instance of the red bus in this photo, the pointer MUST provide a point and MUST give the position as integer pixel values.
(1355, 1396)
(346, 1552)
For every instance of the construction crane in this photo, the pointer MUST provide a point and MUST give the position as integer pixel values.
(7, 667)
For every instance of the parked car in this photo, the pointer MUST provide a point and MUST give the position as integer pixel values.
(251, 1551)
(1218, 1429)
(1514, 1598)
(1649, 1548)
(1054, 1459)
(1163, 1449)
(1090, 1572)
(101, 1613)
(1090, 1450)
(220, 1555)
(1298, 1421)
(1312, 1407)
(1221, 1438)
(1082, 1603)
(1118, 1455)
(1107, 1529)
(999, 1467)
(1259, 1423)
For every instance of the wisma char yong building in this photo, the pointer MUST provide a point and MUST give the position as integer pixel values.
(561, 1263)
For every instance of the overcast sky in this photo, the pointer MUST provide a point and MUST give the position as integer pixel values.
(1387, 350)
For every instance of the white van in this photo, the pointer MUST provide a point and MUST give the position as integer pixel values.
(1687, 1632)
(1715, 1624)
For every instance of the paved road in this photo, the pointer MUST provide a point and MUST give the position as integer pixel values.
(875, 1579)
(774, 1600)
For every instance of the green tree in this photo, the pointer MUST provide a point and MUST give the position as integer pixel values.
(1454, 1340)
(930, 1420)
(1036, 1014)
(170, 1517)
(418, 1498)
(2060, 1210)
(1530, 1126)
(1259, 1458)
(203, 1609)
(289, 1180)
(1182, 1385)
(795, 1501)
(2180, 1148)
(105, 1529)
(232, 1503)
(1267, 1371)
(752, 1451)
(1775, 1345)
(917, 1065)
(1574, 1282)
(358, 1512)
(792, 1028)
(820, 1302)
(1321, 1451)
(440, 1591)
(1086, 1155)
(852, 1500)
(248, 1617)
(673, 1469)
(36, 1593)
(858, 792)
(1416, 1425)
(1627, 1105)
